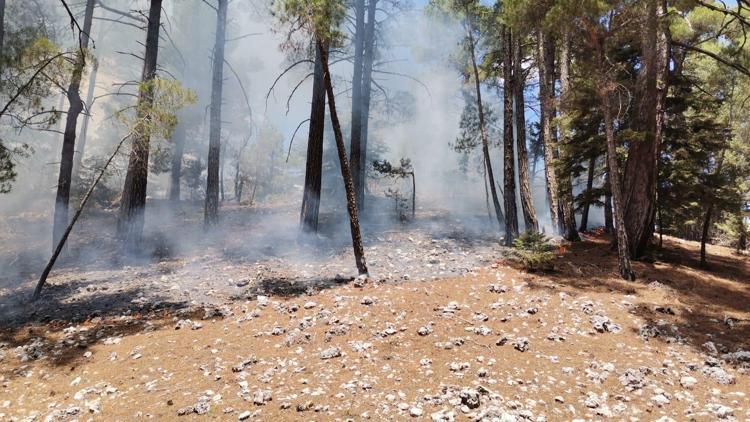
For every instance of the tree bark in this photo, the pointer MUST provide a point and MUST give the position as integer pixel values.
(81, 150)
(367, 94)
(705, 232)
(178, 150)
(351, 199)
(356, 124)
(211, 215)
(524, 179)
(623, 252)
(641, 168)
(742, 230)
(589, 195)
(546, 60)
(2, 27)
(133, 203)
(314, 163)
(608, 217)
(605, 88)
(62, 198)
(567, 208)
(482, 128)
(509, 173)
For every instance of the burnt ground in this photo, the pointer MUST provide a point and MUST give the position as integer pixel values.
(255, 250)
(446, 328)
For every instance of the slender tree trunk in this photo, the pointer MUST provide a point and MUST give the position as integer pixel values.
(69, 137)
(367, 94)
(61, 243)
(211, 216)
(641, 168)
(705, 232)
(567, 207)
(413, 195)
(223, 156)
(133, 203)
(2, 28)
(661, 222)
(623, 252)
(589, 195)
(238, 180)
(742, 230)
(546, 107)
(486, 192)
(709, 213)
(524, 179)
(81, 150)
(608, 217)
(314, 164)
(178, 150)
(356, 125)
(509, 174)
(483, 129)
(351, 199)
(605, 91)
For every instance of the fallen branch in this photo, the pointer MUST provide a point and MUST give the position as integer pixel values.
(64, 238)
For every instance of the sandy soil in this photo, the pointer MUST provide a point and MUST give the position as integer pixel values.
(494, 344)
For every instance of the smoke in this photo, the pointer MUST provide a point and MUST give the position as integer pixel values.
(415, 114)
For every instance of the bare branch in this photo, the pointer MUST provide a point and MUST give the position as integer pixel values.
(292, 140)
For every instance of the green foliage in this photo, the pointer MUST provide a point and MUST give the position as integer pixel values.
(386, 169)
(321, 18)
(159, 118)
(533, 251)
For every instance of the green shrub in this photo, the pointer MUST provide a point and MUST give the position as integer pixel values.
(533, 251)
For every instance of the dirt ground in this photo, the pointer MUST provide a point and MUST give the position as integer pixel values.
(493, 344)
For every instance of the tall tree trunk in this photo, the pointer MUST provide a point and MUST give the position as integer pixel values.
(709, 213)
(623, 252)
(133, 203)
(482, 128)
(524, 179)
(81, 150)
(742, 230)
(608, 217)
(367, 94)
(314, 164)
(211, 215)
(705, 232)
(356, 125)
(2, 27)
(221, 173)
(351, 199)
(589, 196)
(567, 208)
(546, 60)
(641, 168)
(178, 150)
(509, 173)
(62, 198)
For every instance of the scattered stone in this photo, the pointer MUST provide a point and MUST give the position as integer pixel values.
(688, 382)
(603, 324)
(521, 344)
(262, 396)
(330, 353)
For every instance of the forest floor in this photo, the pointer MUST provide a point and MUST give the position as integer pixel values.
(445, 329)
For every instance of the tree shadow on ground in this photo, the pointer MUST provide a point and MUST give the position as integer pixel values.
(673, 294)
(62, 331)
